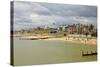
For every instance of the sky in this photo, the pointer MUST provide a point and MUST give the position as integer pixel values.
(35, 14)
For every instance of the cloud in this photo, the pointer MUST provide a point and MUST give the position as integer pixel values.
(33, 14)
(71, 10)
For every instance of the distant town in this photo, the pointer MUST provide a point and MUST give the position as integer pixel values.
(62, 30)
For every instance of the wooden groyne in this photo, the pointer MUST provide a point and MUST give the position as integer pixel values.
(89, 54)
(35, 37)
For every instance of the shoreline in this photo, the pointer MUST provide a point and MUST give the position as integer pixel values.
(90, 41)
(83, 41)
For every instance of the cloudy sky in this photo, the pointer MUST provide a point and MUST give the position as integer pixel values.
(33, 14)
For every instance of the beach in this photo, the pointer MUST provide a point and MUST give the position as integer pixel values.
(89, 41)
(77, 40)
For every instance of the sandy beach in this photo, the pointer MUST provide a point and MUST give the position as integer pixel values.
(77, 40)
(89, 41)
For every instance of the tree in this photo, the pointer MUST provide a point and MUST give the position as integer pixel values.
(91, 28)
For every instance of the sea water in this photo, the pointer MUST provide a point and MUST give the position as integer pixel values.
(30, 52)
